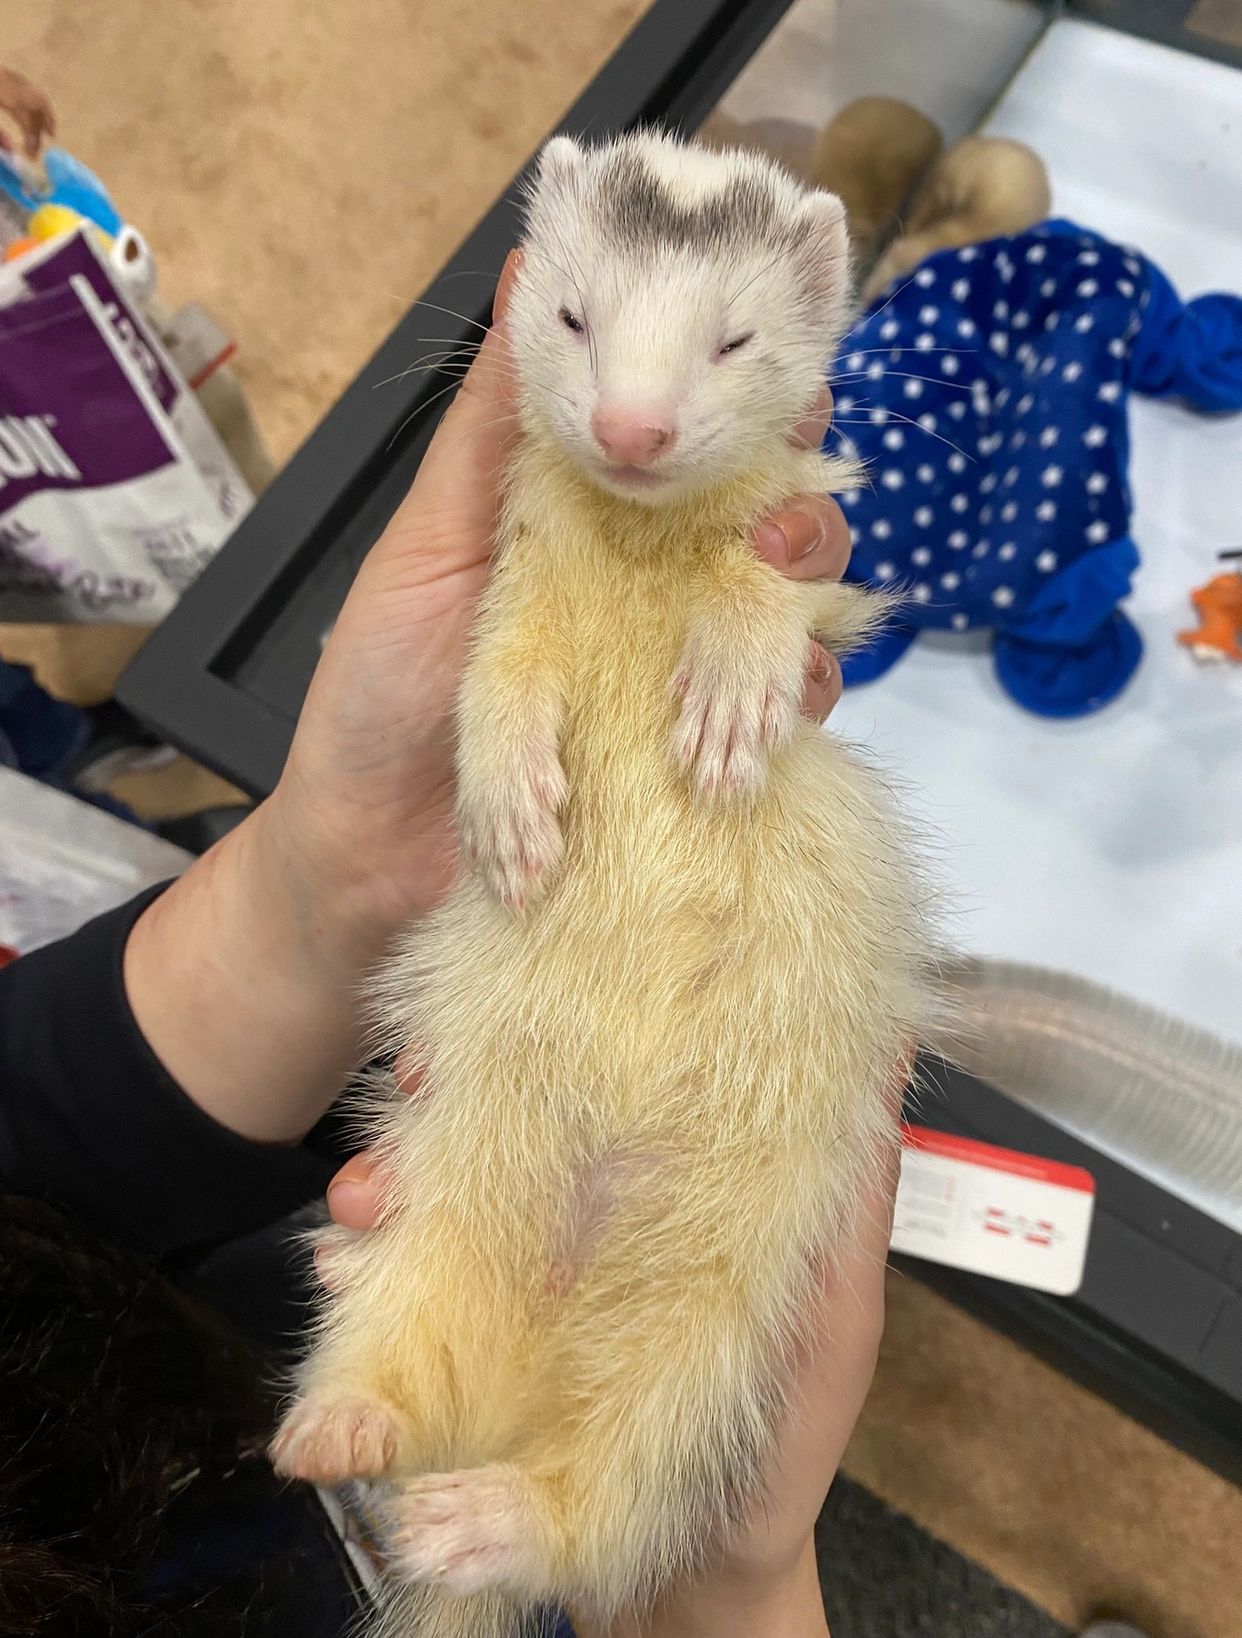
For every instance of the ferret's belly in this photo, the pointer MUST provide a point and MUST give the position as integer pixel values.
(688, 961)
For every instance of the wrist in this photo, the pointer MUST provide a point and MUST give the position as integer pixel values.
(356, 874)
(782, 1603)
(247, 991)
(331, 926)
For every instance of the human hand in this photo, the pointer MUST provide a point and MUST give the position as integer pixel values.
(765, 1579)
(31, 109)
(363, 818)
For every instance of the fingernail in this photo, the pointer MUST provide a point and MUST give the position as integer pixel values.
(804, 531)
(821, 664)
(815, 423)
(349, 1200)
(772, 542)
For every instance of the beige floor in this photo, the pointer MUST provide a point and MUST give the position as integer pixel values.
(304, 169)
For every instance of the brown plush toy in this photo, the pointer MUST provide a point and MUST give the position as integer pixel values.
(884, 159)
(872, 155)
(981, 188)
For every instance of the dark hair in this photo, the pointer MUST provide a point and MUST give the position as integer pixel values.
(118, 1397)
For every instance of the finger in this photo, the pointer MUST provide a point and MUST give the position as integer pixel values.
(875, 1228)
(325, 1273)
(504, 285)
(409, 1074)
(354, 1193)
(811, 429)
(458, 481)
(903, 1074)
(488, 384)
(864, 1255)
(808, 540)
(823, 686)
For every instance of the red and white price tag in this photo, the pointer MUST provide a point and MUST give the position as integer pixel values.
(993, 1211)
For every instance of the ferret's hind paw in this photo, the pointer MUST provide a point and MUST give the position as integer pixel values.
(510, 831)
(327, 1441)
(470, 1532)
(729, 727)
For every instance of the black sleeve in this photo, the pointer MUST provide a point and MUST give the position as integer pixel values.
(90, 1118)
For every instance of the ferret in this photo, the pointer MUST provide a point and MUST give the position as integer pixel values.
(655, 1024)
(980, 188)
(872, 154)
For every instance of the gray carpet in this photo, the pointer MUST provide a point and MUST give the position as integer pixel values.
(884, 1577)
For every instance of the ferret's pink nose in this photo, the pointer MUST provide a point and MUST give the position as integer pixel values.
(634, 437)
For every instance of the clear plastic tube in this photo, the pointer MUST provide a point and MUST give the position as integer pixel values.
(1161, 1096)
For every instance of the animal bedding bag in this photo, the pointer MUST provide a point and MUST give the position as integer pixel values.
(114, 491)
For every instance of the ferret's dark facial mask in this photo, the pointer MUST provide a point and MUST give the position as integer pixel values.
(675, 309)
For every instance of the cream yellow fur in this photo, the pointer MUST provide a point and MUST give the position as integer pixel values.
(657, 1020)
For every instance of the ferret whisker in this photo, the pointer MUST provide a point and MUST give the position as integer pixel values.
(475, 427)
(459, 359)
(474, 342)
(729, 300)
(422, 407)
(893, 295)
(573, 277)
(870, 352)
(452, 312)
(895, 415)
(438, 366)
(472, 273)
(898, 375)
(447, 347)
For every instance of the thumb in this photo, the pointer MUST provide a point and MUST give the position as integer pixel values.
(354, 1193)
(450, 512)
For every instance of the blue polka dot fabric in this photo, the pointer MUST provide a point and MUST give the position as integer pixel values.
(986, 397)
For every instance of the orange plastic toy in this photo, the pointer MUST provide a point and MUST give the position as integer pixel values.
(1219, 607)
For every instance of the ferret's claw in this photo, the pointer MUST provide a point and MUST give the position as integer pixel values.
(728, 726)
(510, 830)
(327, 1441)
(469, 1532)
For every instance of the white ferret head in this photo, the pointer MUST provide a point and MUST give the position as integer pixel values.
(675, 309)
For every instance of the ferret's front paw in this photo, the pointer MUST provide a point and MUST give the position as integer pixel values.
(470, 1532)
(510, 828)
(327, 1441)
(731, 721)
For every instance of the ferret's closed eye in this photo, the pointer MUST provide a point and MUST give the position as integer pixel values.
(572, 323)
(735, 345)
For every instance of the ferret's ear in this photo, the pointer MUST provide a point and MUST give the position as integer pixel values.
(560, 161)
(827, 251)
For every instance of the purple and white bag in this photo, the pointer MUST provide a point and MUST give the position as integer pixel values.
(114, 488)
